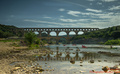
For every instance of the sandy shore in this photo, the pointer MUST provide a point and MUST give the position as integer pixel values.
(10, 54)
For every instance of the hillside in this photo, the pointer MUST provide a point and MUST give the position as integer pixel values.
(101, 35)
(6, 31)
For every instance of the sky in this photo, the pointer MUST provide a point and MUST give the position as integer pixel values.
(60, 13)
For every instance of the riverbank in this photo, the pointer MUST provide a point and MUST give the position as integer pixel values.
(10, 54)
(88, 46)
(102, 46)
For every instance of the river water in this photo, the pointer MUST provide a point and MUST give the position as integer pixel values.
(73, 59)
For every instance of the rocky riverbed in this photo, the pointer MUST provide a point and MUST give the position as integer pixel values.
(13, 58)
(61, 60)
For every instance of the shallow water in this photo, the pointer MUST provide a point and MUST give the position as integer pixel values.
(58, 61)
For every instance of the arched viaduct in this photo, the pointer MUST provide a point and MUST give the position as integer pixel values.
(57, 31)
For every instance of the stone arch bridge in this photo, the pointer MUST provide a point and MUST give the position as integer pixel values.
(57, 31)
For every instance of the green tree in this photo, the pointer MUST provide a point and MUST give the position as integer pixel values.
(116, 34)
(30, 38)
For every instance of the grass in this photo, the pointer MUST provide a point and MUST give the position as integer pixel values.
(15, 44)
(34, 46)
(113, 42)
(9, 40)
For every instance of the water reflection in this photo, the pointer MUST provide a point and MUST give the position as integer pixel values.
(68, 54)
(72, 60)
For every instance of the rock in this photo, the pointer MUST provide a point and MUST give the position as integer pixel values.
(47, 69)
(72, 61)
(102, 52)
(81, 65)
(41, 69)
(78, 50)
(16, 51)
(18, 65)
(91, 61)
(28, 72)
(105, 69)
(38, 69)
(81, 61)
(93, 70)
(105, 60)
(73, 52)
(99, 60)
(82, 71)
(16, 68)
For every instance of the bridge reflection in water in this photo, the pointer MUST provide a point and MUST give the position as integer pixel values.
(67, 54)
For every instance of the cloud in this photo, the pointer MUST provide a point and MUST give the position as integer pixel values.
(109, 0)
(73, 20)
(73, 13)
(93, 10)
(50, 23)
(115, 8)
(61, 16)
(95, 20)
(77, 13)
(61, 9)
(91, 0)
(99, 3)
(77, 4)
(47, 17)
(39, 21)
(68, 20)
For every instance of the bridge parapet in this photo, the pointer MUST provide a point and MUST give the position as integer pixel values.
(59, 29)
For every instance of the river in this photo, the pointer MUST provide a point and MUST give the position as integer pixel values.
(73, 59)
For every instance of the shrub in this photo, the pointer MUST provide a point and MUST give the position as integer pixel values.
(30, 38)
(113, 42)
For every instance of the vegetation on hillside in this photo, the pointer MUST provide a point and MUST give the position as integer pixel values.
(108, 33)
(113, 42)
(111, 33)
(8, 31)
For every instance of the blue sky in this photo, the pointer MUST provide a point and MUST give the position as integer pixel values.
(60, 13)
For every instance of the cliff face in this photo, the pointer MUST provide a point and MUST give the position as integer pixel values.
(89, 41)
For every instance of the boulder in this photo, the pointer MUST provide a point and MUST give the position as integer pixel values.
(91, 61)
(105, 69)
(99, 60)
(72, 61)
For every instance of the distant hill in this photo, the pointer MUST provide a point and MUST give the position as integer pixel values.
(6, 31)
(106, 34)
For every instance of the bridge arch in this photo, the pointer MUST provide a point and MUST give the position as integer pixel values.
(53, 33)
(44, 34)
(62, 33)
(80, 32)
(72, 33)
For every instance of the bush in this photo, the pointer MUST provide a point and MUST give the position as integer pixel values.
(34, 46)
(113, 42)
(30, 38)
